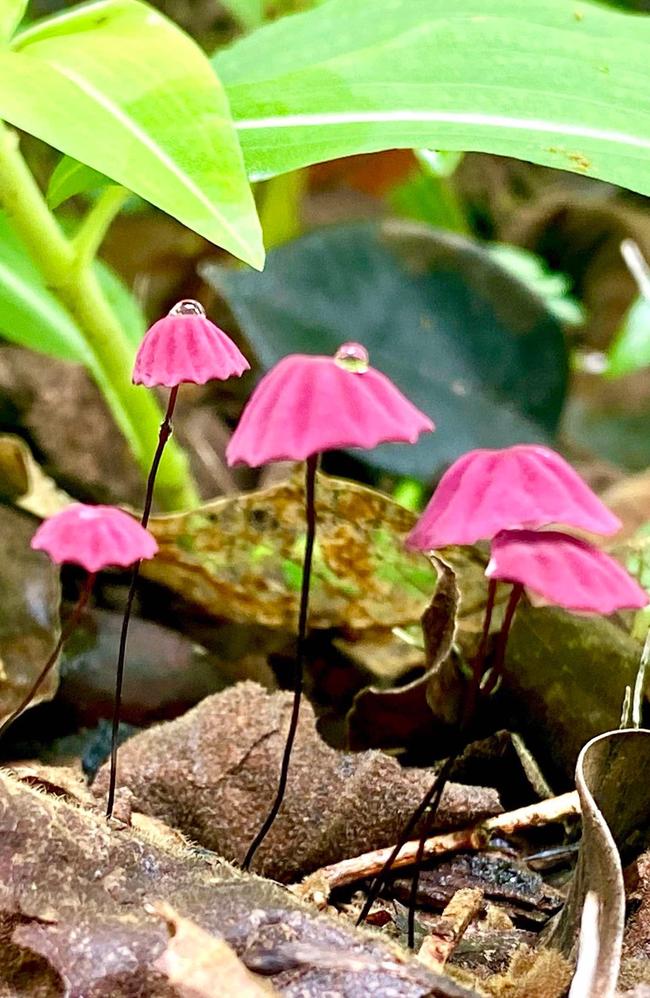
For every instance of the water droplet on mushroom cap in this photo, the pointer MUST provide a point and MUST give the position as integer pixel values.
(188, 306)
(352, 357)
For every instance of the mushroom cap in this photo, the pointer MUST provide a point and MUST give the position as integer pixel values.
(307, 404)
(94, 537)
(524, 486)
(185, 346)
(564, 571)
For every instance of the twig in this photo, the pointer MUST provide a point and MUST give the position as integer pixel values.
(349, 871)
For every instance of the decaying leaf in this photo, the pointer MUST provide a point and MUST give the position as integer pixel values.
(24, 483)
(78, 902)
(612, 781)
(213, 773)
(29, 614)
(201, 965)
(390, 718)
(241, 557)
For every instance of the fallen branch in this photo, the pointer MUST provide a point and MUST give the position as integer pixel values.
(317, 885)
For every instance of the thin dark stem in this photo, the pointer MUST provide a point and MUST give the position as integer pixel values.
(478, 663)
(66, 631)
(436, 792)
(163, 436)
(430, 802)
(310, 517)
(502, 640)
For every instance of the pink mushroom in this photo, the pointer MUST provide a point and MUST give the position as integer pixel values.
(94, 537)
(183, 347)
(564, 571)
(302, 407)
(486, 491)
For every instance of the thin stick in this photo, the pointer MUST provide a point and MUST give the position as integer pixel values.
(163, 436)
(66, 631)
(370, 864)
(310, 517)
(435, 790)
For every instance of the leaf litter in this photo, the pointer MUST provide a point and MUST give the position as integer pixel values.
(206, 772)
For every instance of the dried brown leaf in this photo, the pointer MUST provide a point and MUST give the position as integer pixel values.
(201, 965)
(611, 779)
(77, 900)
(213, 773)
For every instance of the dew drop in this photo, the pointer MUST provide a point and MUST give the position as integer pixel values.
(188, 307)
(352, 357)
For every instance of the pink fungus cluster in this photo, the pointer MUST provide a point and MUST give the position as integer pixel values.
(510, 497)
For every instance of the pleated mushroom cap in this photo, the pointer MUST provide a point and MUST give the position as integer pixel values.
(185, 347)
(564, 571)
(519, 487)
(94, 537)
(308, 404)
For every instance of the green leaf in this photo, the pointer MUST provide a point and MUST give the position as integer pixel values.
(249, 13)
(552, 286)
(29, 313)
(120, 88)
(463, 338)
(11, 14)
(70, 177)
(123, 304)
(630, 351)
(559, 83)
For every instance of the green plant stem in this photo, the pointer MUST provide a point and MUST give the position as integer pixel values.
(90, 234)
(77, 288)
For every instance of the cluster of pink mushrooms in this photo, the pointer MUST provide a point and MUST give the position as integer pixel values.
(309, 404)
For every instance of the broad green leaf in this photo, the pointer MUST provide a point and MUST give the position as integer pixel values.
(70, 177)
(461, 337)
(559, 83)
(120, 88)
(630, 351)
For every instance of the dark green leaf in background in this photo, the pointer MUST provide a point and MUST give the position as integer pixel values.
(463, 338)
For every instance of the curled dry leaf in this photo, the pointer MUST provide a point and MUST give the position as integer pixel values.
(390, 718)
(22, 481)
(29, 617)
(77, 915)
(213, 773)
(612, 782)
(241, 557)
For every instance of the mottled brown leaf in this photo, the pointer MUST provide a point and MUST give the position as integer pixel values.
(213, 773)
(241, 557)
